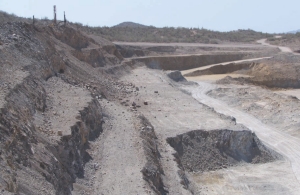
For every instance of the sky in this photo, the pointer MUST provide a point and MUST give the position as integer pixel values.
(273, 16)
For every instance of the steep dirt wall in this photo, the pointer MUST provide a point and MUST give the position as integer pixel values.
(175, 75)
(130, 51)
(71, 152)
(71, 37)
(152, 171)
(187, 62)
(221, 69)
(30, 159)
(210, 150)
(276, 83)
(168, 49)
(267, 74)
(97, 57)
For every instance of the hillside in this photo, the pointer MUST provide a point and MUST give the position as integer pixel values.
(289, 40)
(134, 32)
(293, 32)
(81, 115)
(5, 17)
(131, 32)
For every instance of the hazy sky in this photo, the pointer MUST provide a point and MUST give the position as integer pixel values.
(222, 15)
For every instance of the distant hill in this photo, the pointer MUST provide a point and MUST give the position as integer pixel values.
(131, 25)
(132, 32)
(294, 32)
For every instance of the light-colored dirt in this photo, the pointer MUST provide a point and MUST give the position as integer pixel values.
(215, 77)
(16, 77)
(64, 103)
(271, 107)
(171, 112)
(184, 72)
(282, 142)
(229, 45)
(168, 115)
(118, 155)
(248, 179)
(282, 49)
(79, 128)
(291, 92)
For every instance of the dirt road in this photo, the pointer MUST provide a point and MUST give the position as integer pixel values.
(122, 154)
(281, 142)
(282, 49)
(229, 45)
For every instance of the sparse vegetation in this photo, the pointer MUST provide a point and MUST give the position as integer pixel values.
(290, 40)
(140, 33)
(133, 32)
(5, 17)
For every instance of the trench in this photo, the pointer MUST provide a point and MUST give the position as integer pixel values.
(152, 171)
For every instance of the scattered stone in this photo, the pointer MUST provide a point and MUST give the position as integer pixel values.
(59, 133)
(155, 91)
(145, 103)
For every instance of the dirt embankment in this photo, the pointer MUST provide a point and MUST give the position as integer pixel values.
(30, 162)
(185, 62)
(209, 151)
(28, 153)
(212, 150)
(52, 121)
(70, 115)
(271, 73)
(152, 171)
(266, 72)
(221, 69)
(271, 108)
(36, 158)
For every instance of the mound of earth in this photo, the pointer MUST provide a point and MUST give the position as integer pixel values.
(176, 76)
(211, 150)
(267, 73)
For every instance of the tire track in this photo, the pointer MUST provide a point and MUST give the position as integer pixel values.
(281, 142)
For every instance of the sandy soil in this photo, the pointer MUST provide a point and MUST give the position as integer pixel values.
(282, 142)
(241, 45)
(167, 111)
(282, 49)
(291, 92)
(271, 107)
(114, 161)
(225, 63)
(230, 180)
(64, 102)
(215, 77)
(118, 156)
